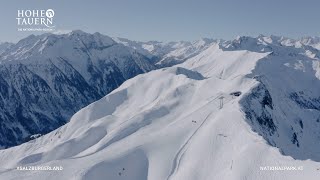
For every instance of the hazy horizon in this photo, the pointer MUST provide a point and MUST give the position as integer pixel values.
(180, 20)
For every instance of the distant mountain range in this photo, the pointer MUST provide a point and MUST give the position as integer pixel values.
(215, 110)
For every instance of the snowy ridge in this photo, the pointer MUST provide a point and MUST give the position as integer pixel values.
(181, 122)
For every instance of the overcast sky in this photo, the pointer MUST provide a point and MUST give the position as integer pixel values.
(167, 20)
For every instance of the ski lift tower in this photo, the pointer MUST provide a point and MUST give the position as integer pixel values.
(221, 102)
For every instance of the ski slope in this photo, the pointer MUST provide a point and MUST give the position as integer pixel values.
(165, 124)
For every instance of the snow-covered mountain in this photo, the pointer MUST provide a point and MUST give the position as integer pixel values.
(4, 46)
(311, 41)
(168, 54)
(45, 79)
(236, 110)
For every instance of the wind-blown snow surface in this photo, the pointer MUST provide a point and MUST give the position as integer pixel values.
(168, 124)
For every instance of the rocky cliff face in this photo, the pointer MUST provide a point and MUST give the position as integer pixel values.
(285, 107)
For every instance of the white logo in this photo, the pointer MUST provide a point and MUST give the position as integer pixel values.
(50, 13)
(35, 20)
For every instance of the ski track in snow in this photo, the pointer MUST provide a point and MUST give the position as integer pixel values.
(182, 150)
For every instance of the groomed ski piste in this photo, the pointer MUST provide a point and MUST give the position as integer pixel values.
(175, 123)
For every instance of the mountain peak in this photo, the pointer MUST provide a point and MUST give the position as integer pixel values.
(34, 45)
(78, 32)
